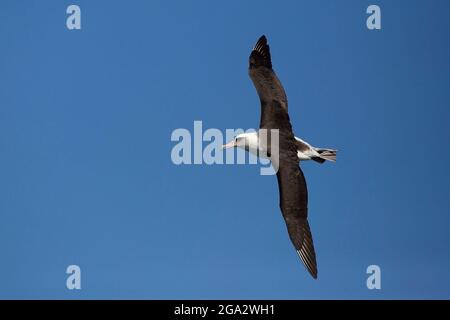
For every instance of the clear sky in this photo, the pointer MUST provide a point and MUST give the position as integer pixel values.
(86, 176)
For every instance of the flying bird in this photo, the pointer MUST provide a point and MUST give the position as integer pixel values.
(250, 142)
(291, 181)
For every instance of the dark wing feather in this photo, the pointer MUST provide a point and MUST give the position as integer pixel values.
(260, 55)
(266, 82)
(294, 206)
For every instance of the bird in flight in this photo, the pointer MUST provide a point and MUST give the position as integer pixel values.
(291, 181)
(250, 142)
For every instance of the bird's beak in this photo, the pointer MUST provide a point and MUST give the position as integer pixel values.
(230, 144)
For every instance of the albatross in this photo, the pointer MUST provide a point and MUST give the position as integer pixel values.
(250, 142)
(291, 150)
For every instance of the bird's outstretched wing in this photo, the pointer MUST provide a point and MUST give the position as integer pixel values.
(269, 88)
(294, 206)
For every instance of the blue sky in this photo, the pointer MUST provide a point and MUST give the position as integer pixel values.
(86, 176)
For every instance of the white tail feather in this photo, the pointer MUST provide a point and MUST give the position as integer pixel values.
(327, 154)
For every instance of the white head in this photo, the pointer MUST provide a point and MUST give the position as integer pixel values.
(247, 141)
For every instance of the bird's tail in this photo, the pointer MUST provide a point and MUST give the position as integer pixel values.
(327, 154)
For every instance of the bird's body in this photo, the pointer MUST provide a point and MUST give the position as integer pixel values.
(251, 142)
(290, 150)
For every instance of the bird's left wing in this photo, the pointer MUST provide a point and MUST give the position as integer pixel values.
(294, 206)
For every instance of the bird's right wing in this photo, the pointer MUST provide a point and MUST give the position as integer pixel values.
(294, 206)
(270, 90)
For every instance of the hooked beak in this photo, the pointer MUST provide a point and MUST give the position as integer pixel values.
(230, 144)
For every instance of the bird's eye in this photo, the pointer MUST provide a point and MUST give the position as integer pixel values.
(236, 139)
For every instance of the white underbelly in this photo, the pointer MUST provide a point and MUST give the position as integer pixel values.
(303, 156)
(261, 153)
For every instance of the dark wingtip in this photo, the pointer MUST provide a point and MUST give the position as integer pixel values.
(308, 257)
(260, 55)
(306, 252)
(262, 40)
(314, 274)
